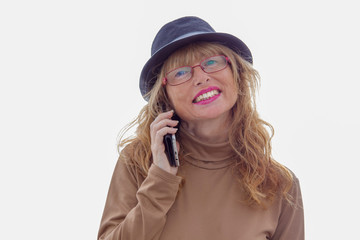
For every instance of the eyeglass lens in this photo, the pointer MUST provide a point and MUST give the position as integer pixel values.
(208, 65)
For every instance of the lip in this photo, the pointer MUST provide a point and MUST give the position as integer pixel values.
(206, 90)
(211, 88)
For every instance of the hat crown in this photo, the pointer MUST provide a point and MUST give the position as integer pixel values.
(179, 33)
(179, 28)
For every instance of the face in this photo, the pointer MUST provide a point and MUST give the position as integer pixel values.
(206, 96)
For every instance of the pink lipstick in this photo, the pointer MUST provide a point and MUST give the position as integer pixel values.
(207, 96)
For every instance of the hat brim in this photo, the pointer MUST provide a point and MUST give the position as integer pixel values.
(148, 73)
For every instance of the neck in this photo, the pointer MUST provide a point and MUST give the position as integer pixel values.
(210, 130)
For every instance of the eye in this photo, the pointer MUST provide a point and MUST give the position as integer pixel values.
(180, 73)
(209, 62)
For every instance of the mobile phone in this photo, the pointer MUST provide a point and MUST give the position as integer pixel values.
(170, 147)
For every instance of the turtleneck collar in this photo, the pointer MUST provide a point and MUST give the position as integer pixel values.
(205, 155)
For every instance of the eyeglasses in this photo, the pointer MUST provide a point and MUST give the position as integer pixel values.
(183, 74)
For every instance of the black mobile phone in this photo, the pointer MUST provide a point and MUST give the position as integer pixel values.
(170, 146)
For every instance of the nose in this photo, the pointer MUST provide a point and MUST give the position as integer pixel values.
(199, 76)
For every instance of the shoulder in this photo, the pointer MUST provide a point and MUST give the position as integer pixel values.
(127, 163)
(294, 193)
(130, 153)
(291, 214)
(295, 181)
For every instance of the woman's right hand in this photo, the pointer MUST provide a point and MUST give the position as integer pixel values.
(162, 125)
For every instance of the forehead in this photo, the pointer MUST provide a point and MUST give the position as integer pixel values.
(190, 55)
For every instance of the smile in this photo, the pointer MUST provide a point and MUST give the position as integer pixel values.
(206, 96)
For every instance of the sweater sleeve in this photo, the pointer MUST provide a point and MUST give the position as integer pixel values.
(291, 219)
(135, 209)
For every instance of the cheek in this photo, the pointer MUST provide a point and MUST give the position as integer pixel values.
(232, 91)
(178, 98)
(234, 86)
(173, 96)
(169, 94)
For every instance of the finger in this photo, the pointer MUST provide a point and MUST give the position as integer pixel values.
(161, 122)
(164, 127)
(159, 135)
(164, 115)
(160, 117)
(164, 123)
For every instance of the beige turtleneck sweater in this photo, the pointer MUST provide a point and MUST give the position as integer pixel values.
(206, 207)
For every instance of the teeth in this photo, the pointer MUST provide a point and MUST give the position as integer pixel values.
(207, 95)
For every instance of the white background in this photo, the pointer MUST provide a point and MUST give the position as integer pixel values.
(69, 75)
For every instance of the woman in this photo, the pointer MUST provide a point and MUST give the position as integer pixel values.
(227, 185)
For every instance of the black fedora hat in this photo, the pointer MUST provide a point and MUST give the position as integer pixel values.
(177, 34)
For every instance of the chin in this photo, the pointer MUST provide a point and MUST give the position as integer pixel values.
(213, 114)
